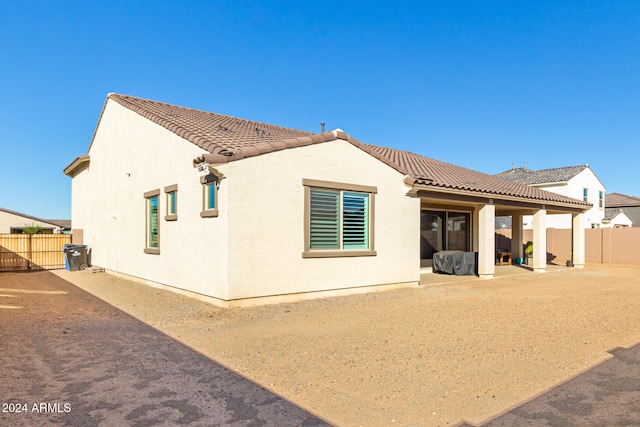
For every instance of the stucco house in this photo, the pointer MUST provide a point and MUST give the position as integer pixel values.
(12, 222)
(616, 218)
(630, 206)
(240, 212)
(578, 182)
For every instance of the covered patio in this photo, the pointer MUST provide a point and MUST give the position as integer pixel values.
(458, 207)
(465, 221)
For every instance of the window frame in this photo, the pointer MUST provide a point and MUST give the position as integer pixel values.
(340, 188)
(601, 199)
(148, 196)
(171, 192)
(209, 183)
(585, 195)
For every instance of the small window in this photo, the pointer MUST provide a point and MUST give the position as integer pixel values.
(601, 199)
(172, 202)
(585, 194)
(339, 219)
(209, 195)
(152, 222)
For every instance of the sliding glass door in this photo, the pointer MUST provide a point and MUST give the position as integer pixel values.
(431, 236)
(457, 231)
(444, 231)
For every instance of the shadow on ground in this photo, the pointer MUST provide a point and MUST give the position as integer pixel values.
(605, 395)
(71, 359)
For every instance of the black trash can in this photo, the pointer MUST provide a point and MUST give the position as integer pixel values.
(75, 257)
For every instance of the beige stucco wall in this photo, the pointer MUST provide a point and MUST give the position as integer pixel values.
(9, 220)
(266, 215)
(129, 156)
(253, 248)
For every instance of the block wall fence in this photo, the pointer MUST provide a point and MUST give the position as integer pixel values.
(602, 245)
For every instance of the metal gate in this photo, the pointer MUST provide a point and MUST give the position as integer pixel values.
(25, 252)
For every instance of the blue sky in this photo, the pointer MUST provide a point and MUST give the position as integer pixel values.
(482, 84)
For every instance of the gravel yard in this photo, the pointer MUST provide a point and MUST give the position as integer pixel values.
(434, 355)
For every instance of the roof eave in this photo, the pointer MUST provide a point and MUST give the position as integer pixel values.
(77, 165)
(495, 196)
(550, 184)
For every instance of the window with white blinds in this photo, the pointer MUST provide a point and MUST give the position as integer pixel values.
(355, 220)
(338, 219)
(324, 219)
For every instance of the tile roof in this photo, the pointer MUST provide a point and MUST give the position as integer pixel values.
(228, 139)
(617, 199)
(216, 133)
(544, 176)
(430, 172)
(611, 213)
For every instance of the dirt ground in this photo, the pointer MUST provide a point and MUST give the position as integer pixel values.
(70, 359)
(435, 355)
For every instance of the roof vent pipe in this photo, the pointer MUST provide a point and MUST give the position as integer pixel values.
(322, 127)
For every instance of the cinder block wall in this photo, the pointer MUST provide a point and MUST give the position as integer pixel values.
(616, 245)
(602, 245)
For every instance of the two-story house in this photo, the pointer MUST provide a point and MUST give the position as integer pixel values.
(578, 182)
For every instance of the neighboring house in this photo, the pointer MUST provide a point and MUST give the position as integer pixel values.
(615, 218)
(12, 222)
(243, 212)
(578, 182)
(630, 205)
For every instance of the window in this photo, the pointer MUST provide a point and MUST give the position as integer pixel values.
(585, 194)
(338, 219)
(172, 202)
(152, 222)
(209, 195)
(601, 199)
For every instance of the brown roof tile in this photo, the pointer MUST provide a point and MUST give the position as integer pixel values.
(213, 132)
(622, 200)
(435, 173)
(228, 138)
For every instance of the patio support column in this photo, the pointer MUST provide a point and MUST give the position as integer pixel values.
(486, 241)
(578, 239)
(540, 241)
(516, 236)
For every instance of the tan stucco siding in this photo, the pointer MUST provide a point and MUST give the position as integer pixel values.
(266, 223)
(130, 156)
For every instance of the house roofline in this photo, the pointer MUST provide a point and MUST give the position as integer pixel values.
(417, 187)
(77, 164)
(549, 184)
(396, 159)
(226, 156)
(31, 217)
